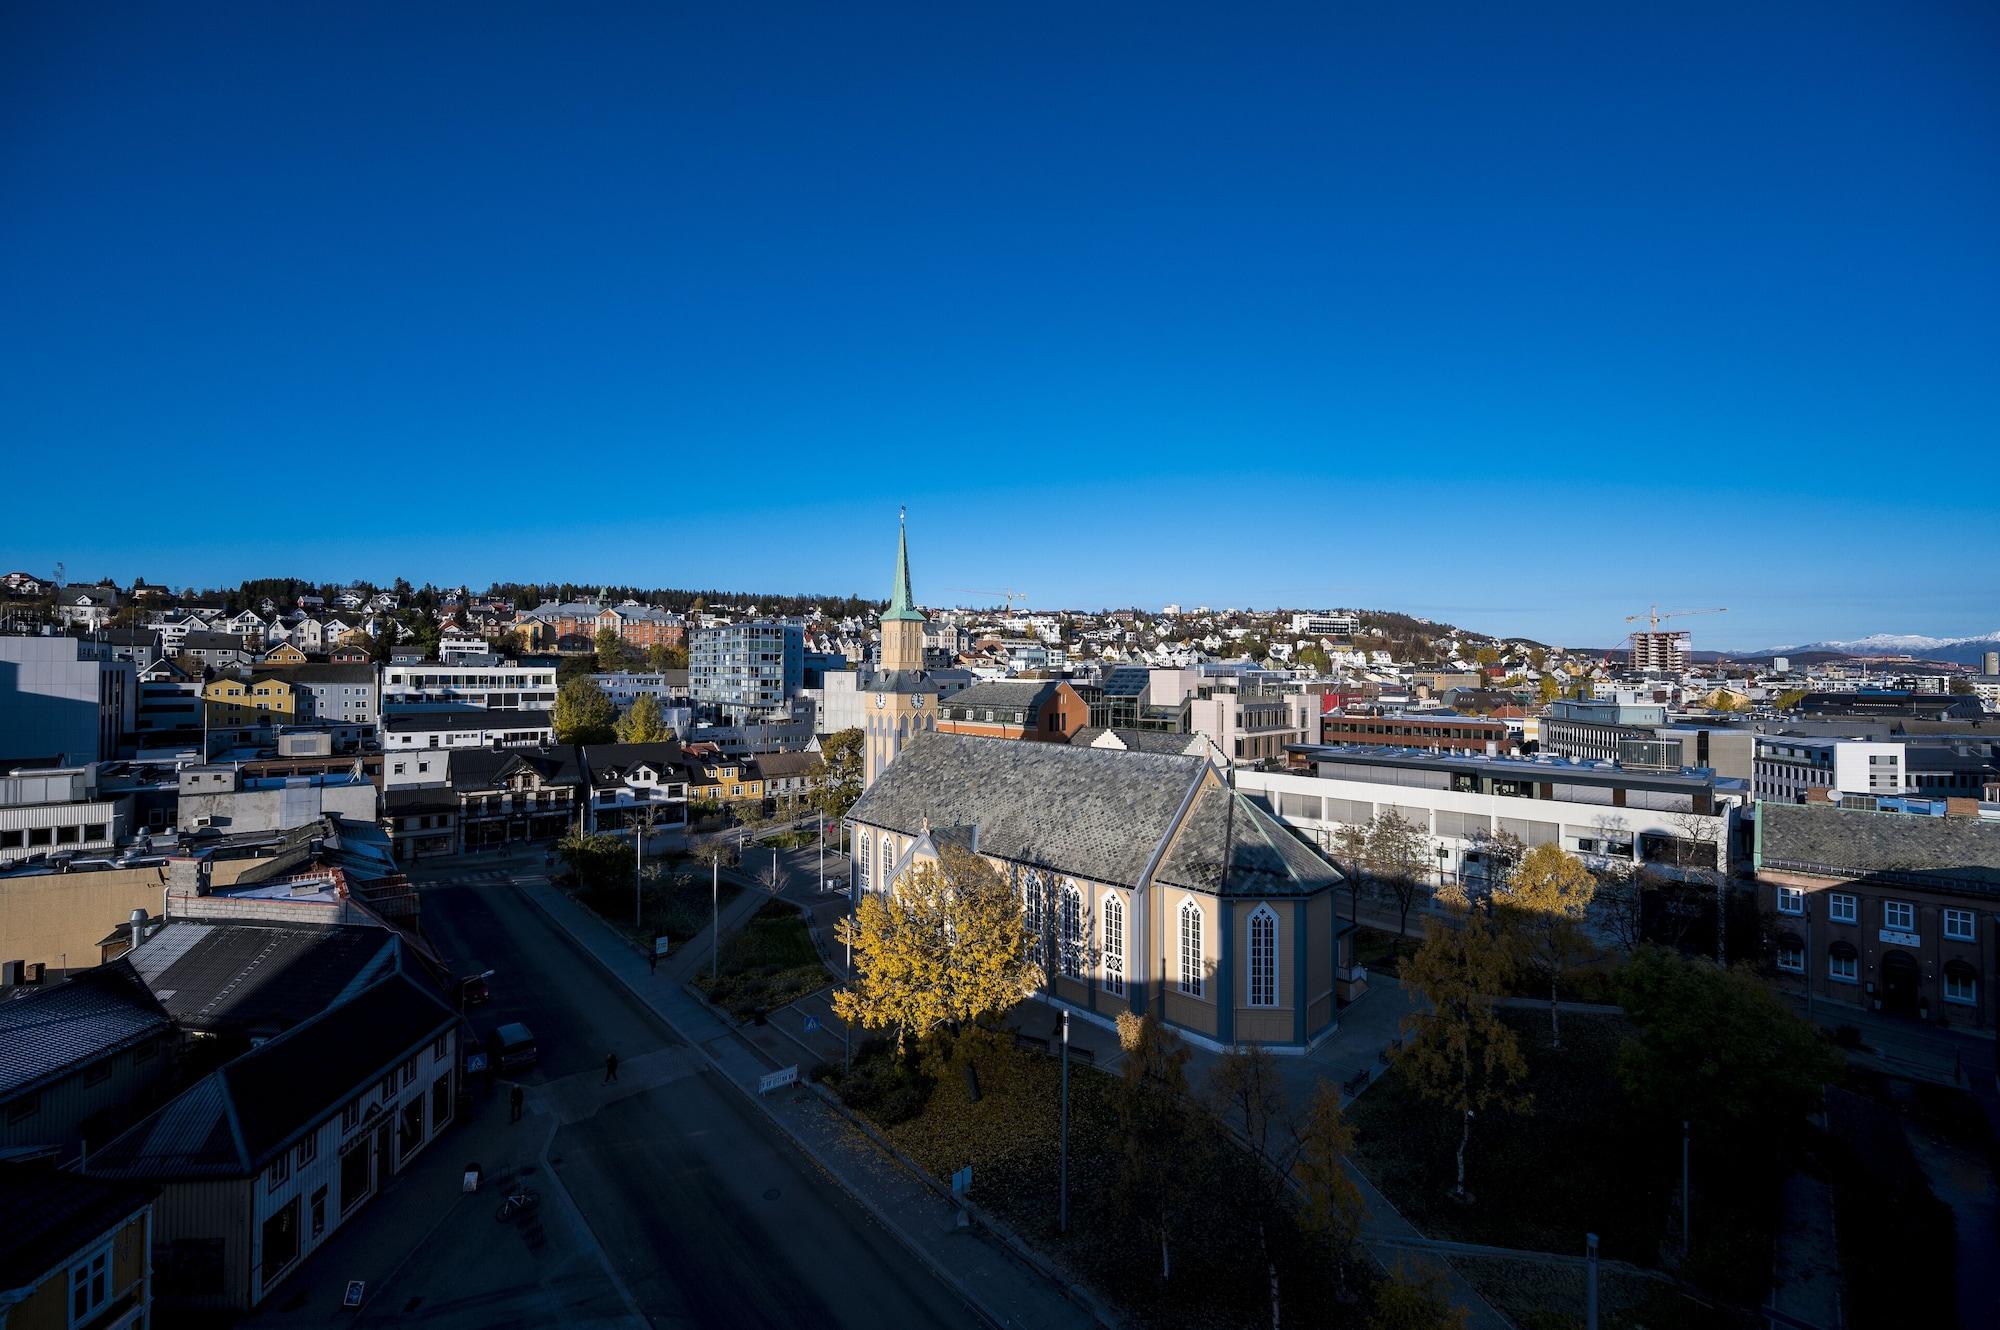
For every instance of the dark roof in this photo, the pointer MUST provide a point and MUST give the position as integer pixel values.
(608, 763)
(466, 718)
(1092, 812)
(1229, 846)
(46, 1033)
(1940, 705)
(1012, 694)
(321, 672)
(256, 974)
(53, 1215)
(422, 799)
(485, 768)
(1145, 741)
(1947, 854)
(204, 639)
(231, 1122)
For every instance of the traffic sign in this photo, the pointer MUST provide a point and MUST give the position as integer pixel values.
(812, 1023)
(778, 1079)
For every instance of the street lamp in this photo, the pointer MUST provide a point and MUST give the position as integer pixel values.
(1062, 1217)
(1444, 857)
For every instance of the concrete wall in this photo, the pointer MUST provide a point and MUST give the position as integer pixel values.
(56, 700)
(58, 918)
(278, 809)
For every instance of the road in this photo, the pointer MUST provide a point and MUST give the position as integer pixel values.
(706, 1213)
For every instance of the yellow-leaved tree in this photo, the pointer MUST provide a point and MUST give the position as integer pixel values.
(1459, 1053)
(943, 946)
(1546, 898)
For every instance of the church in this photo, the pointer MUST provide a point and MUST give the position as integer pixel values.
(902, 698)
(1148, 883)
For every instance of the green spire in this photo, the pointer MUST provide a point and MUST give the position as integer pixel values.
(902, 605)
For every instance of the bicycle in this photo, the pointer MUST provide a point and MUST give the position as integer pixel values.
(517, 1204)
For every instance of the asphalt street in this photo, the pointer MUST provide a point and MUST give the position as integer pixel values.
(706, 1213)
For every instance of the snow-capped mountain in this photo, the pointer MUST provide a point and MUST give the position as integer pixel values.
(1964, 650)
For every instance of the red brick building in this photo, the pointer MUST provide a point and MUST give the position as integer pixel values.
(1048, 710)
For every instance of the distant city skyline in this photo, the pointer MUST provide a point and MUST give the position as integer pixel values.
(1522, 320)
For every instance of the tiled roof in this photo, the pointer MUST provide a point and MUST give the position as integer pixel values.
(1091, 812)
(257, 974)
(53, 1215)
(1230, 846)
(1144, 741)
(1951, 854)
(608, 763)
(1026, 694)
(45, 1033)
(231, 1122)
(485, 768)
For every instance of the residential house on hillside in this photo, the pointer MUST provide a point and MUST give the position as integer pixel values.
(88, 606)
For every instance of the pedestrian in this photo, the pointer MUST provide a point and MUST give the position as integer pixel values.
(514, 1101)
(610, 1068)
(652, 962)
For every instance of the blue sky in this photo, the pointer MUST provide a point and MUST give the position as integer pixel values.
(1518, 316)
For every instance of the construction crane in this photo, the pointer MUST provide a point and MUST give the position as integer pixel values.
(1653, 616)
(1010, 596)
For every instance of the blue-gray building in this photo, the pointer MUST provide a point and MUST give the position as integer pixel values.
(742, 670)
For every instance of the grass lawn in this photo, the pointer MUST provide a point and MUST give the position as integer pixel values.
(1581, 1161)
(769, 963)
(1010, 1138)
(1547, 1297)
(676, 903)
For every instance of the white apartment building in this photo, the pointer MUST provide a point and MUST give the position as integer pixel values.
(1309, 624)
(1603, 814)
(466, 728)
(1788, 767)
(506, 685)
(624, 687)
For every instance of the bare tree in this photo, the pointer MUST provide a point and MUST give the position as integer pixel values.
(1697, 852)
(1399, 854)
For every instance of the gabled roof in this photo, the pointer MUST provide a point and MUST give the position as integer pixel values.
(1955, 855)
(1144, 741)
(256, 974)
(233, 1121)
(487, 768)
(47, 1033)
(1091, 812)
(608, 764)
(1010, 694)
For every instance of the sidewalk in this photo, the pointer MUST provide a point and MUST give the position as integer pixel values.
(1005, 1291)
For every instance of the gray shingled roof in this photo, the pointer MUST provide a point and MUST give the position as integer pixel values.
(1262, 857)
(1011, 693)
(1943, 853)
(1091, 812)
(1145, 741)
(46, 1033)
(259, 974)
(52, 1215)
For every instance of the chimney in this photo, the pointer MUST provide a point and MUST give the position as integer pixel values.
(187, 875)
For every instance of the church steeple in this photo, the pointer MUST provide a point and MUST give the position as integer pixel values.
(902, 604)
(902, 622)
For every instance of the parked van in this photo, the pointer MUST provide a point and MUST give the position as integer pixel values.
(513, 1046)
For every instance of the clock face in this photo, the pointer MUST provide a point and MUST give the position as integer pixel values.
(917, 701)
(881, 700)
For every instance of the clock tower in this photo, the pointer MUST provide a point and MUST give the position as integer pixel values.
(901, 697)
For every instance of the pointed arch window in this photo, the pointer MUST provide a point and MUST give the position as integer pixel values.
(1114, 946)
(1031, 913)
(1263, 957)
(1191, 959)
(888, 862)
(863, 850)
(1071, 925)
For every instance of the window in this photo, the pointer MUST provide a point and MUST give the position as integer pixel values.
(89, 1285)
(1071, 925)
(888, 863)
(308, 1150)
(1791, 955)
(388, 1086)
(1899, 915)
(1841, 963)
(319, 1213)
(1263, 957)
(276, 1175)
(350, 1117)
(1191, 968)
(355, 1173)
(1840, 907)
(1960, 984)
(1791, 900)
(1031, 914)
(1958, 925)
(437, 1049)
(1114, 946)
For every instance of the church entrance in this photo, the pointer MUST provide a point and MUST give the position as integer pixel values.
(1900, 983)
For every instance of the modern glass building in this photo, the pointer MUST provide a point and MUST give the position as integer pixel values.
(743, 670)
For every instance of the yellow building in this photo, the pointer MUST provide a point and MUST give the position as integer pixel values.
(723, 780)
(83, 1258)
(252, 701)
